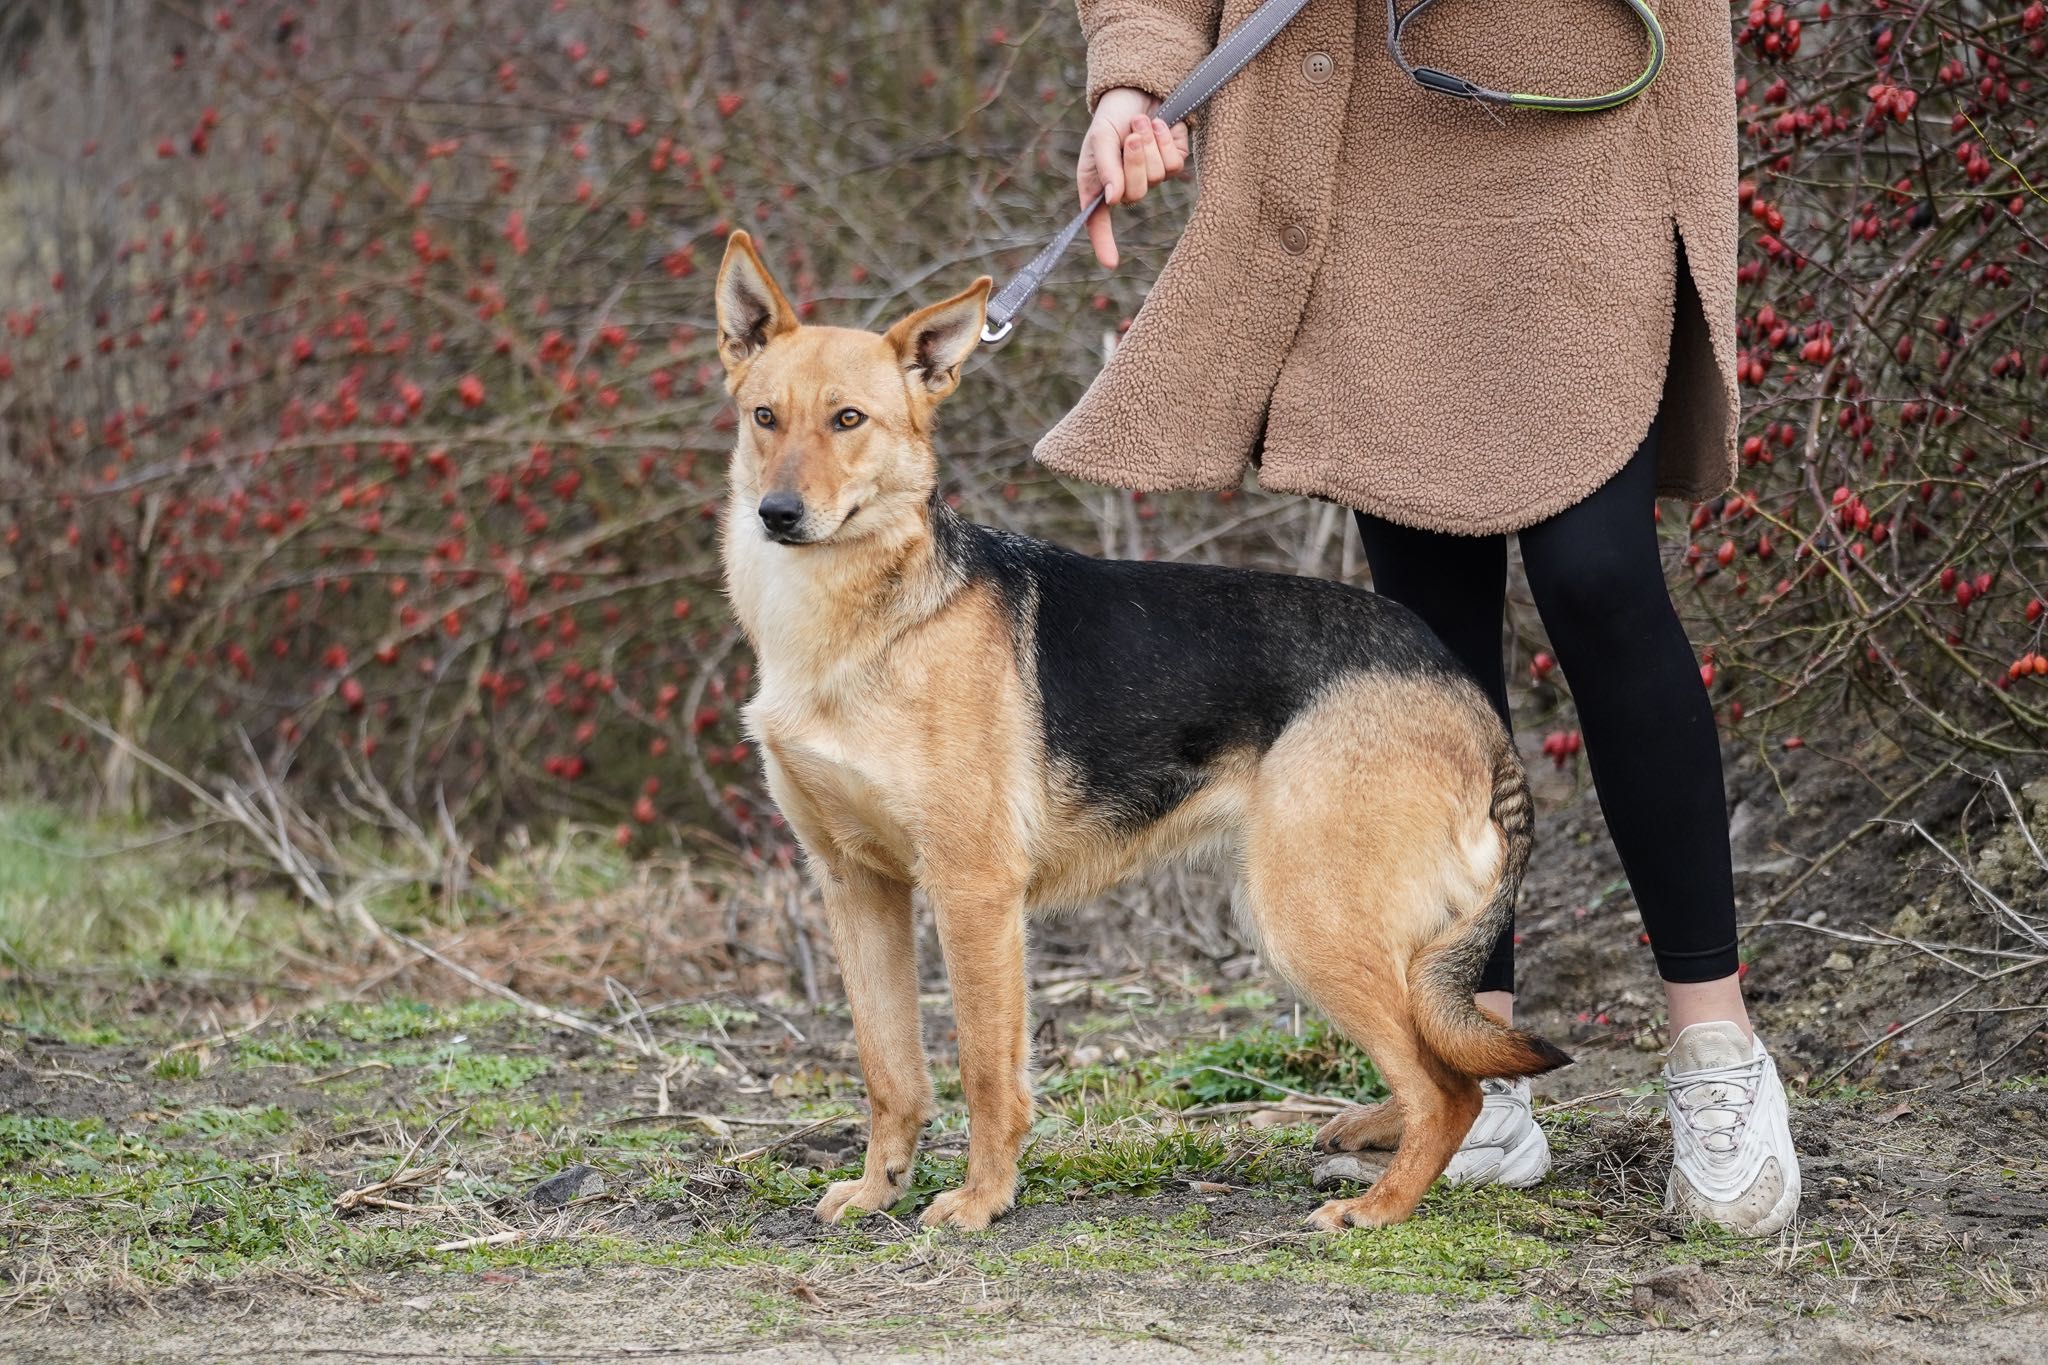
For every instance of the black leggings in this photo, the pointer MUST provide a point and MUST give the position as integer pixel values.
(1595, 573)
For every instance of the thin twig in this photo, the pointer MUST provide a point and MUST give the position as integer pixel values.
(1923, 1017)
(533, 1007)
(786, 1139)
(495, 1239)
(1336, 1100)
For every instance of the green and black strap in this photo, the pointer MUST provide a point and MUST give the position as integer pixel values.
(1445, 83)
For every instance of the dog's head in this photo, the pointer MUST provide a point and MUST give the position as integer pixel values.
(834, 423)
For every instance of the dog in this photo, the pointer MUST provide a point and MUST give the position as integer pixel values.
(1009, 726)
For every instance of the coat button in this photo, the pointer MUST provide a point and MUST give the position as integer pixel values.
(1318, 67)
(1294, 238)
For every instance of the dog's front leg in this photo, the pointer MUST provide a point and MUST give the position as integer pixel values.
(982, 932)
(876, 940)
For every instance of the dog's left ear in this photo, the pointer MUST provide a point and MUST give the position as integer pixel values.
(933, 343)
(752, 310)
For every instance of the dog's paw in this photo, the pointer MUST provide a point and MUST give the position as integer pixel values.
(967, 1209)
(1363, 1212)
(866, 1195)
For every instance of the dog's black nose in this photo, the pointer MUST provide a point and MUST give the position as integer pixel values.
(780, 512)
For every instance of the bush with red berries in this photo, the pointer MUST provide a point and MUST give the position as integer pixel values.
(1884, 548)
(358, 402)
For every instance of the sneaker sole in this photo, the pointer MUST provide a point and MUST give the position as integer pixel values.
(1769, 1225)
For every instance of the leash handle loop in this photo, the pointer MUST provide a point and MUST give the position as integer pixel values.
(1446, 83)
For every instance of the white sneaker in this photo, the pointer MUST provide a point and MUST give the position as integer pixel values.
(1732, 1159)
(1504, 1145)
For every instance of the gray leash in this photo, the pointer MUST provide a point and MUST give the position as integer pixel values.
(1244, 42)
(1247, 41)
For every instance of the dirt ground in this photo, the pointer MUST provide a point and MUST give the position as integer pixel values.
(398, 1179)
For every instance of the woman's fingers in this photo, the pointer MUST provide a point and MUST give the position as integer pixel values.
(1103, 156)
(1173, 146)
(1136, 178)
(1102, 237)
(1124, 154)
(1101, 169)
(1155, 155)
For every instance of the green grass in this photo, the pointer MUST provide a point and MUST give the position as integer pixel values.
(1317, 1061)
(116, 897)
(1061, 1165)
(76, 894)
(170, 1212)
(1464, 1245)
(482, 1073)
(396, 1020)
(218, 1122)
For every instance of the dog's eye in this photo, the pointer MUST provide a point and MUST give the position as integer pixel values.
(846, 419)
(764, 417)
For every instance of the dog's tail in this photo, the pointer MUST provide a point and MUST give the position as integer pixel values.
(1441, 976)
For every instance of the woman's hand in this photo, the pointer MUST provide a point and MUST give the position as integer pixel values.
(1126, 152)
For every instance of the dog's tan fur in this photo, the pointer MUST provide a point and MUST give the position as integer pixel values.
(902, 742)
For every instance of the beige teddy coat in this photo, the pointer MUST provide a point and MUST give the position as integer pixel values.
(1454, 317)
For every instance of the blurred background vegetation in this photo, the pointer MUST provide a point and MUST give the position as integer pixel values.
(361, 434)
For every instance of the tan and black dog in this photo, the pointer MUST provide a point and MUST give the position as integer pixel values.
(1011, 727)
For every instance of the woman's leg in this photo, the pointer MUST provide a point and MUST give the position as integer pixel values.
(1598, 580)
(1458, 586)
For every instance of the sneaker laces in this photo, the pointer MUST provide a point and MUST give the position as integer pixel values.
(1716, 1101)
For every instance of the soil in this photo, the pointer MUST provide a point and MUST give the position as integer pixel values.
(1923, 1233)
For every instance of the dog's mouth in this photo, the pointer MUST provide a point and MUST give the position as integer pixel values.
(798, 537)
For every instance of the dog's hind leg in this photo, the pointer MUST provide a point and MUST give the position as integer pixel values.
(1322, 937)
(1333, 956)
(875, 937)
(1366, 823)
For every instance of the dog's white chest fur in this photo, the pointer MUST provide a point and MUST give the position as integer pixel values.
(832, 778)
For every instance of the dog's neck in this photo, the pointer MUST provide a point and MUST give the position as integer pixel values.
(818, 615)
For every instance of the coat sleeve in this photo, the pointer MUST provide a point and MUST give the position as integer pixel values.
(1148, 45)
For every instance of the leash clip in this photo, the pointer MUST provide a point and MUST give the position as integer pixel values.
(993, 336)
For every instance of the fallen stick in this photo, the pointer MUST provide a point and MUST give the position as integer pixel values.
(1860, 1053)
(1336, 1100)
(218, 1038)
(496, 1239)
(787, 1138)
(532, 1007)
(399, 1205)
(402, 1179)
(1210, 1111)
(1787, 891)
(690, 1116)
(372, 1065)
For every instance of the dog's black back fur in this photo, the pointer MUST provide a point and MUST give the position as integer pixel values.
(1147, 672)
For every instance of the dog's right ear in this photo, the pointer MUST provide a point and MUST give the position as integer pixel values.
(752, 310)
